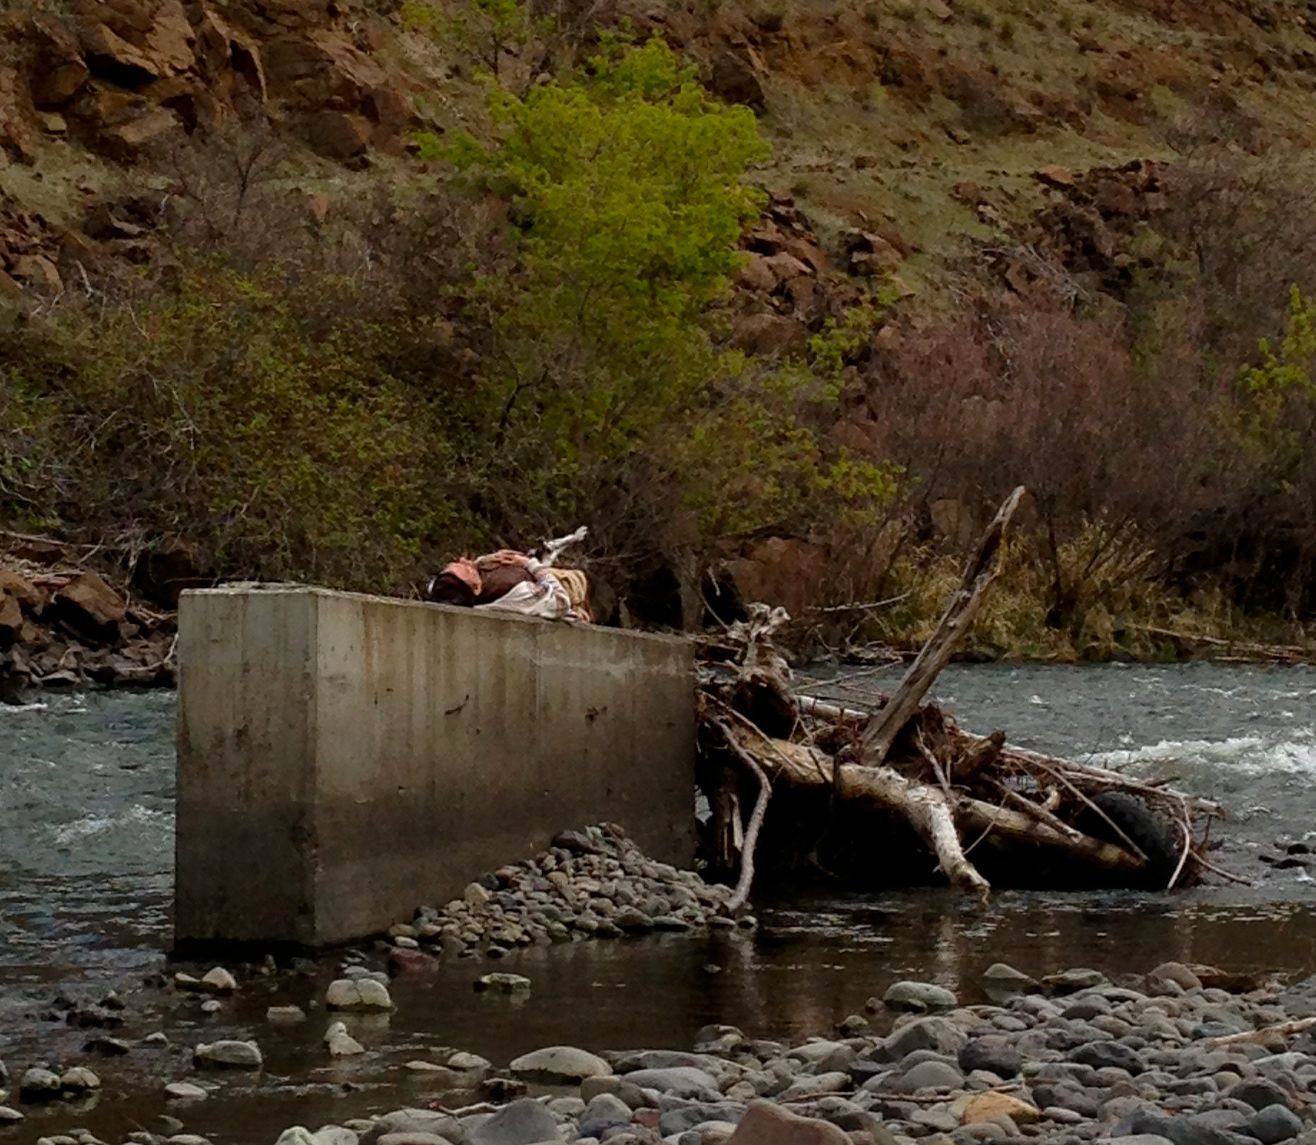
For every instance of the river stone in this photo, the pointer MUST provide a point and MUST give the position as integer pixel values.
(766, 1124)
(9, 1115)
(919, 996)
(228, 1053)
(820, 1083)
(991, 1106)
(931, 1075)
(679, 1081)
(559, 1064)
(1074, 980)
(429, 1121)
(1177, 973)
(678, 1119)
(39, 1084)
(413, 1138)
(357, 994)
(503, 983)
(993, 1054)
(1258, 1092)
(79, 1079)
(468, 1062)
(219, 981)
(1003, 981)
(1100, 1055)
(624, 1091)
(604, 1111)
(937, 1034)
(340, 1043)
(1273, 1124)
(523, 1122)
(335, 1135)
(285, 1014)
(1137, 1139)
(184, 1091)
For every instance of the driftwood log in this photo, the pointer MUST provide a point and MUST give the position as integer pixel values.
(905, 771)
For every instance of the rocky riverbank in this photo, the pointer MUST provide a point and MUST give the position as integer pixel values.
(590, 883)
(64, 624)
(1183, 1055)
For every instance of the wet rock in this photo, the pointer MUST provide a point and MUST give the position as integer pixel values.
(296, 1135)
(765, 1124)
(503, 983)
(468, 1062)
(229, 1054)
(918, 996)
(184, 1091)
(523, 1122)
(1072, 981)
(79, 1079)
(357, 994)
(1273, 1124)
(427, 1121)
(211, 1006)
(106, 1046)
(39, 1084)
(559, 1064)
(9, 1115)
(219, 981)
(340, 1043)
(285, 1014)
(335, 1135)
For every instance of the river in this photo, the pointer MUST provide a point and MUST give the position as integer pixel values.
(86, 822)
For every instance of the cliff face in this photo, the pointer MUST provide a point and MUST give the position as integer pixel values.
(916, 123)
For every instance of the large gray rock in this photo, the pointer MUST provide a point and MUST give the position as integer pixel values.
(919, 996)
(523, 1122)
(335, 1135)
(38, 1084)
(228, 1054)
(604, 1111)
(993, 1054)
(1258, 1092)
(931, 1075)
(937, 1034)
(559, 1064)
(679, 1081)
(1273, 1124)
(442, 1125)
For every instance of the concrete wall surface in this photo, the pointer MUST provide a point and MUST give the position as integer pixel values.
(344, 758)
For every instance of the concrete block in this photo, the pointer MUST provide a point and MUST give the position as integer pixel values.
(343, 758)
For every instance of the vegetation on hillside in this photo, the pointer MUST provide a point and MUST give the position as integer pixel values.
(538, 320)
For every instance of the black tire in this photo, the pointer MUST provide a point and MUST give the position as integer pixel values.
(1158, 838)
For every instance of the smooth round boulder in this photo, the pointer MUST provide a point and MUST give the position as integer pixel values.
(39, 1084)
(918, 997)
(1273, 1124)
(559, 1064)
(357, 994)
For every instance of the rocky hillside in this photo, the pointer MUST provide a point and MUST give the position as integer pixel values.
(942, 163)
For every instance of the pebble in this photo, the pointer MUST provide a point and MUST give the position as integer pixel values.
(184, 1091)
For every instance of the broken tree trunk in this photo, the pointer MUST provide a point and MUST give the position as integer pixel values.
(954, 624)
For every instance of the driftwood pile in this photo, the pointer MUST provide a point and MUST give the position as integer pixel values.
(903, 795)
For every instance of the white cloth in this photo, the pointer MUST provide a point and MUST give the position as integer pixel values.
(542, 597)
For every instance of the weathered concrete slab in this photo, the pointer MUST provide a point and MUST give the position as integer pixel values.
(343, 758)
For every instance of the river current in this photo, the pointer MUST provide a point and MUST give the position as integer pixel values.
(86, 847)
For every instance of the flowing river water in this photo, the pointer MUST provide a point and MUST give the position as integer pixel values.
(86, 845)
